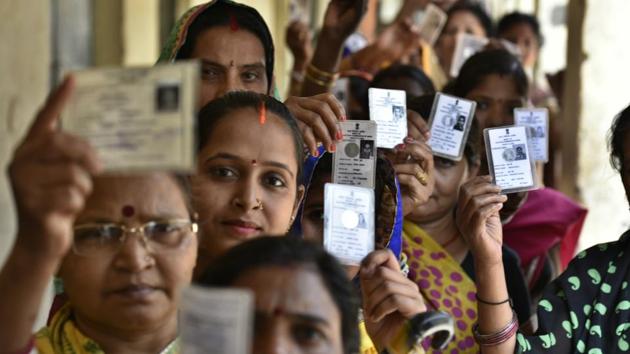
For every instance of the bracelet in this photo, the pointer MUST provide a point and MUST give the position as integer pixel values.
(508, 300)
(500, 337)
(316, 71)
(297, 76)
(325, 84)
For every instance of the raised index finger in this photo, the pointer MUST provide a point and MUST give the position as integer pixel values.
(48, 117)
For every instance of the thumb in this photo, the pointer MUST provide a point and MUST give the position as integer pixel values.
(48, 117)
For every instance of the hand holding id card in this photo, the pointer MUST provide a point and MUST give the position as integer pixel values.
(388, 108)
(465, 47)
(137, 119)
(450, 122)
(509, 159)
(354, 162)
(348, 222)
(537, 119)
(215, 320)
(430, 22)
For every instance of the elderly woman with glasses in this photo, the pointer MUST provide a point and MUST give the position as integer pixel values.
(124, 247)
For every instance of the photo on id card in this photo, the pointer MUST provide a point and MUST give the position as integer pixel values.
(388, 108)
(449, 122)
(354, 162)
(509, 159)
(348, 222)
(537, 120)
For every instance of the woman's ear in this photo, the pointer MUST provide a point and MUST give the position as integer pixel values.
(298, 200)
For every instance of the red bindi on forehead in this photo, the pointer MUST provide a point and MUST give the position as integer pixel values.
(128, 211)
(234, 26)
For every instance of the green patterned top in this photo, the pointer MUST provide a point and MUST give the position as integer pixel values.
(587, 308)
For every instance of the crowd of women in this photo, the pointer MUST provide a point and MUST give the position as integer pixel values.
(125, 246)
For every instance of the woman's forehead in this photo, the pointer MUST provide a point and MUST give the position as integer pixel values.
(497, 86)
(223, 45)
(139, 196)
(241, 133)
(298, 288)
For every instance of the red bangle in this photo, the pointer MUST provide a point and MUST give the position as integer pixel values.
(500, 337)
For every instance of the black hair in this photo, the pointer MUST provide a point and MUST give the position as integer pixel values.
(515, 18)
(476, 10)
(616, 137)
(292, 252)
(221, 13)
(472, 150)
(358, 88)
(183, 182)
(399, 71)
(219, 108)
(485, 63)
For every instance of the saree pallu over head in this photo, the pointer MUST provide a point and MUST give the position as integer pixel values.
(62, 336)
(180, 41)
(388, 208)
(444, 285)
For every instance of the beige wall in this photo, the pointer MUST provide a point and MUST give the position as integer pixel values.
(24, 69)
(141, 32)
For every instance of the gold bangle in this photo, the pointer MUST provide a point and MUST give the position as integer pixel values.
(316, 71)
(325, 84)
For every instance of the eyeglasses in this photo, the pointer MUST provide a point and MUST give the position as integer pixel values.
(92, 239)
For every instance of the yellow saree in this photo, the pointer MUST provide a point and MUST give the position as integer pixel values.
(444, 285)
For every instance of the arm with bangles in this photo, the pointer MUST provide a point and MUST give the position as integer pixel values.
(51, 178)
(478, 220)
(341, 19)
(317, 111)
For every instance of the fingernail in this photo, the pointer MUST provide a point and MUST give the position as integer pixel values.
(332, 148)
(344, 118)
(409, 139)
(401, 147)
(315, 153)
(339, 135)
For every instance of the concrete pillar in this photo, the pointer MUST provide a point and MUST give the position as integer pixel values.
(126, 32)
(605, 74)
